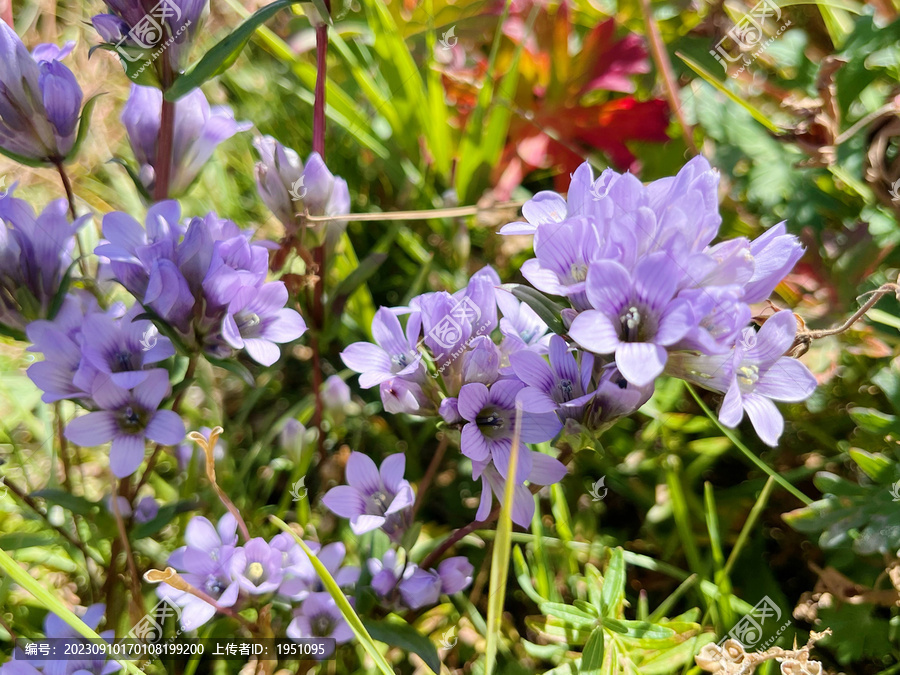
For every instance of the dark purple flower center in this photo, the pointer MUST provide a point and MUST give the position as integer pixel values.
(214, 586)
(492, 422)
(132, 419)
(578, 272)
(322, 625)
(248, 323)
(399, 361)
(122, 362)
(378, 502)
(563, 392)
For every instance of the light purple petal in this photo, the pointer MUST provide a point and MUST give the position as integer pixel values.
(608, 286)
(126, 454)
(640, 362)
(262, 351)
(362, 473)
(165, 428)
(545, 470)
(344, 501)
(594, 331)
(732, 410)
(366, 523)
(774, 338)
(93, 429)
(504, 392)
(787, 380)
(532, 369)
(370, 360)
(472, 399)
(766, 418)
(392, 470)
(472, 443)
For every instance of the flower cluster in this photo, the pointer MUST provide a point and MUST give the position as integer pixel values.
(206, 280)
(108, 362)
(643, 292)
(56, 628)
(406, 585)
(40, 101)
(35, 252)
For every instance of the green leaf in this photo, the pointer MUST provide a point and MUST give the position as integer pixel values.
(84, 124)
(612, 593)
(638, 629)
(548, 310)
(165, 516)
(218, 59)
(367, 267)
(877, 467)
(592, 656)
(17, 540)
(137, 70)
(396, 632)
(235, 367)
(132, 174)
(63, 291)
(22, 159)
(873, 420)
(571, 615)
(557, 628)
(351, 617)
(67, 500)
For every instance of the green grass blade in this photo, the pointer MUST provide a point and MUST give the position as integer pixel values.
(352, 618)
(501, 555)
(53, 604)
(706, 75)
(769, 471)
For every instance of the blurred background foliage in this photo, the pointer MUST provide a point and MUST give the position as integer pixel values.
(434, 103)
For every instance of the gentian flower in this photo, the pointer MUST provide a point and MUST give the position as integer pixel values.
(520, 323)
(35, 252)
(257, 320)
(127, 418)
(373, 499)
(563, 386)
(542, 470)
(385, 572)
(635, 316)
(774, 255)
(319, 617)
(335, 393)
(120, 348)
(146, 510)
(419, 587)
(455, 574)
(60, 341)
(402, 396)
(40, 101)
(204, 563)
(393, 354)
(288, 188)
(754, 375)
(491, 418)
(199, 129)
(257, 567)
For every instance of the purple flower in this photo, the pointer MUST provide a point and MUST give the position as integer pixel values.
(754, 375)
(543, 470)
(774, 255)
(562, 386)
(257, 567)
(146, 510)
(126, 418)
(120, 348)
(335, 393)
(402, 396)
(491, 417)
(373, 499)
(34, 255)
(199, 129)
(40, 101)
(204, 563)
(257, 320)
(614, 399)
(289, 188)
(60, 341)
(635, 316)
(393, 354)
(455, 574)
(319, 617)
(385, 572)
(481, 361)
(519, 322)
(419, 587)
(549, 207)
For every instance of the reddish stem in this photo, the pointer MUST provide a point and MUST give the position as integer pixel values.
(163, 166)
(319, 105)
